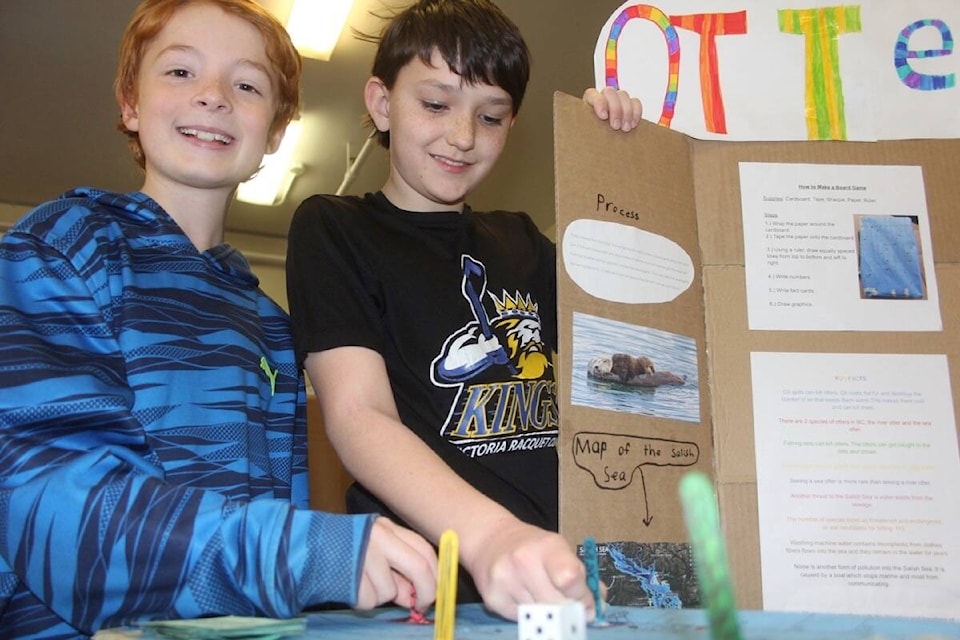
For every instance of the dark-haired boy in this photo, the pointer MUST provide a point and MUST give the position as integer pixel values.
(427, 328)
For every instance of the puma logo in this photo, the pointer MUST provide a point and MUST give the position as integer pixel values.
(271, 374)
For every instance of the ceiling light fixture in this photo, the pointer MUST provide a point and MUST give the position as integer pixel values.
(270, 185)
(315, 26)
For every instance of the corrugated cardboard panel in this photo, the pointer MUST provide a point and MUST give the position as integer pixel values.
(688, 191)
(653, 184)
(738, 506)
(729, 373)
(717, 182)
(729, 344)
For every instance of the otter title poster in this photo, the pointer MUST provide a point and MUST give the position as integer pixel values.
(766, 70)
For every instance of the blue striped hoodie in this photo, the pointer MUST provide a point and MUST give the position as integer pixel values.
(152, 431)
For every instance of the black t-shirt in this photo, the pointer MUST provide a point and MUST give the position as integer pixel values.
(462, 307)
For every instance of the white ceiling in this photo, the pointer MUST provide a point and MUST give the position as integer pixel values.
(57, 114)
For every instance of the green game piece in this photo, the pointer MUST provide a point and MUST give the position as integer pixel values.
(709, 555)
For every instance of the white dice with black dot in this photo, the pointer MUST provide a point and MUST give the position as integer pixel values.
(551, 621)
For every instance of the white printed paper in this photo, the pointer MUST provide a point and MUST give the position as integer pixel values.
(837, 248)
(857, 482)
(621, 263)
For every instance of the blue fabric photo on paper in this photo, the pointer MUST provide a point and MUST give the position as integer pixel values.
(889, 258)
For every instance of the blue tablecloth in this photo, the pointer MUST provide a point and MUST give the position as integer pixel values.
(473, 623)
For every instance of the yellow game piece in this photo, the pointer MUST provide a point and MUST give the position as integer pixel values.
(446, 609)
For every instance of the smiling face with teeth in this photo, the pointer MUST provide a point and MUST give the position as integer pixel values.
(445, 134)
(205, 103)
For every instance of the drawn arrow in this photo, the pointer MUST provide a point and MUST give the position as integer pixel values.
(646, 503)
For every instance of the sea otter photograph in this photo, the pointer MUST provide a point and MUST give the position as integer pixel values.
(619, 366)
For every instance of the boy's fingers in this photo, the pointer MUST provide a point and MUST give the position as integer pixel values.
(626, 109)
(595, 99)
(568, 579)
(416, 561)
(614, 100)
(376, 584)
(406, 592)
(622, 111)
(634, 111)
(397, 562)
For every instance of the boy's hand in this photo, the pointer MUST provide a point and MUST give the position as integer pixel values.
(398, 563)
(615, 106)
(518, 564)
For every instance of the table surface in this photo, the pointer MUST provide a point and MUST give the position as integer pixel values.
(473, 623)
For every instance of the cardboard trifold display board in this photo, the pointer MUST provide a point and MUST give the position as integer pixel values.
(654, 363)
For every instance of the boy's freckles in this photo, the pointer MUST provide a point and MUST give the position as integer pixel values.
(445, 135)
